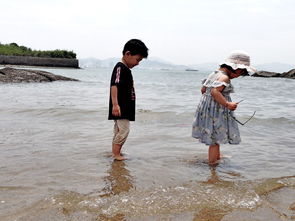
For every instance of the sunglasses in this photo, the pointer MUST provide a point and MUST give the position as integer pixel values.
(233, 117)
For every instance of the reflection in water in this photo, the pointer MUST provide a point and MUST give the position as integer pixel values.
(118, 180)
(117, 217)
(211, 212)
(214, 178)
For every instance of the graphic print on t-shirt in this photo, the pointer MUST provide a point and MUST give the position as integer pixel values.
(118, 75)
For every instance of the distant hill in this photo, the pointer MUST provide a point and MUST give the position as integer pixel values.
(150, 63)
(93, 63)
(205, 67)
(272, 67)
(275, 67)
(155, 63)
(158, 63)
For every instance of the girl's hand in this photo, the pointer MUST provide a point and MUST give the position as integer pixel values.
(116, 110)
(231, 105)
(203, 89)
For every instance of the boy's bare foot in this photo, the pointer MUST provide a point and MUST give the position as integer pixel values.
(120, 158)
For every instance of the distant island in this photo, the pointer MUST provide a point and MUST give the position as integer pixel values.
(13, 54)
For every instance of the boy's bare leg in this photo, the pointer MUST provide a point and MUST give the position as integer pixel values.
(213, 153)
(117, 152)
(113, 150)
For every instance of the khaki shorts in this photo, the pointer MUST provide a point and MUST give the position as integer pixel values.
(121, 131)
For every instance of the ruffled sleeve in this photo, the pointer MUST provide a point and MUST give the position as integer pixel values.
(214, 83)
(219, 83)
(212, 80)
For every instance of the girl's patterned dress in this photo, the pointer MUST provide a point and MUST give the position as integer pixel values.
(213, 123)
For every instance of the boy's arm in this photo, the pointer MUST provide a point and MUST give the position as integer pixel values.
(114, 95)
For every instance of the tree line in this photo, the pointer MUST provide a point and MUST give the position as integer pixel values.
(14, 49)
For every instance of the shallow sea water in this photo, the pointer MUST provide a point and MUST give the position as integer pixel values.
(55, 161)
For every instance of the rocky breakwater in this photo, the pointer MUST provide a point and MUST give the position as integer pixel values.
(13, 75)
(289, 74)
(38, 61)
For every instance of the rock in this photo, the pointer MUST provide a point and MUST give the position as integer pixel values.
(289, 74)
(13, 75)
(266, 74)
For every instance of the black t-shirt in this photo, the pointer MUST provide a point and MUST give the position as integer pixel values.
(122, 78)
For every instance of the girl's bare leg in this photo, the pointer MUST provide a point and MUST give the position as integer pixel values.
(213, 153)
(218, 153)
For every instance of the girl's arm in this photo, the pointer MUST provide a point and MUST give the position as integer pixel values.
(219, 98)
(114, 95)
(203, 89)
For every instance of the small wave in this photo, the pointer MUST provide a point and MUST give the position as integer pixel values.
(196, 196)
(267, 186)
(13, 188)
(58, 111)
(162, 200)
(184, 116)
(196, 199)
(274, 120)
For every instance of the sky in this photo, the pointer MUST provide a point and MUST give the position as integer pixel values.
(179, 31)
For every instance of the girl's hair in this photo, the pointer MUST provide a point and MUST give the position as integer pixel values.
(232, 70)
(136, 46)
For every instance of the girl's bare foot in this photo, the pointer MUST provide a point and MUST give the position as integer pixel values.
(120, 158)
(213, 163)
(121, 154)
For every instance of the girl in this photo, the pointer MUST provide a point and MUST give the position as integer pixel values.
(214, 123)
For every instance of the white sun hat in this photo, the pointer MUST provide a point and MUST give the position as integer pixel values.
(239, 59)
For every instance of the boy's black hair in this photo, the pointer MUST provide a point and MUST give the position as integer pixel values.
(136, 46)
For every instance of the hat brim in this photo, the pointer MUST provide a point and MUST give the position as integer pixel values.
(251, 70)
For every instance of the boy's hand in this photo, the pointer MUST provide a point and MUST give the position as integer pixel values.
(231, 105)
(116, 110)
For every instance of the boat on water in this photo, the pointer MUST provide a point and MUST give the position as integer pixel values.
(191, 69)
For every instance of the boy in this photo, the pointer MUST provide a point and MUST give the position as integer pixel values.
(122, 94)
